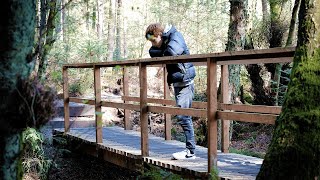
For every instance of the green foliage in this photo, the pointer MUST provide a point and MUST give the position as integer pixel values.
(234, 79)
(60, 144)
(176, 135)
(81, 81)
(214, 174)
(248, 98)
(173, 131)
(246, 84)
(91, 50)
(201, 132)
(76, 89)
(200, 97)
(156, 173)
(34, 158)
(283, 85)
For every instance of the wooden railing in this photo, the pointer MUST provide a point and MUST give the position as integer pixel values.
(211, 109)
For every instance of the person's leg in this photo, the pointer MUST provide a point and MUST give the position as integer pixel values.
(184, 98)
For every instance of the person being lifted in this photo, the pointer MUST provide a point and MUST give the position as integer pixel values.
(167, 41)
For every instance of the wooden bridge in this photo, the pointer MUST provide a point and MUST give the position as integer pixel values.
(131, 149)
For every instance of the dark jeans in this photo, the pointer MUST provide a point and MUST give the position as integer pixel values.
(184, 97)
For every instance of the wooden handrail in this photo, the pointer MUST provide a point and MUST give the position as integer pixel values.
(197, 105)
(273, 55)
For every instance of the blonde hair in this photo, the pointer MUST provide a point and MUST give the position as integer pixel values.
(154, 29)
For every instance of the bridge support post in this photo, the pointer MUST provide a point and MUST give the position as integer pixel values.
(127, 122)
(98, 112)
(225, 136)
(66, 100)
(212, 113)
(143, 110)
(167, 117)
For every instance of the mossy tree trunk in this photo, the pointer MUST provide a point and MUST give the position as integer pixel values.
(17, 30)
(48, 38)
(294, 152)
(236, 41)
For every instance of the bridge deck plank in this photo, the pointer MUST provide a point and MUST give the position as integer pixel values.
(127, 143)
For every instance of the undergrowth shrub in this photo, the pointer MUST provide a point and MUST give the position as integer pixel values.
(81, 81)
(34, 159)
(156, 173)
(31, 105)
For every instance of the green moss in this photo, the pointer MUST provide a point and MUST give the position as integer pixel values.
(19, 42)
(294, 152)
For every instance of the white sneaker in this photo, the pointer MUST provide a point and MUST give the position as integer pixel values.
(186, 154)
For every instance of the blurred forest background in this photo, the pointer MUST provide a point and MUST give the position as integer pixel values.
(83, 31)
(80, 31)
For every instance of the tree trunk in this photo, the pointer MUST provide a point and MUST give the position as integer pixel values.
(117, 51)
(63, 17)
(260, 97)
(282, 84)
(58, 20)
(100, 25)
(111, 29)
(277, 30)
(279, 89)
(94, 18)
(276, 34)
(265, 11)
(276, 26)
(49, 40)
(17, 34)
(236, 42)
(293, 22)
(124, 33)
(294, 152)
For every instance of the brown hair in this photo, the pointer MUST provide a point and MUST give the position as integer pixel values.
(154, 29)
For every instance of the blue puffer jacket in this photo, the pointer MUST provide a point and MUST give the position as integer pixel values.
(174, 45)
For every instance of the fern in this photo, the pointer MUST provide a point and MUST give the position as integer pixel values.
(34, 159)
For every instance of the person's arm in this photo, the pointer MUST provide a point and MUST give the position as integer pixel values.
(155, 52)
(174, 48)
(176, 45)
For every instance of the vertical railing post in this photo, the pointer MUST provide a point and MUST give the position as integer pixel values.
(97, 95)
(167, 117)
(127, 122)
(225, 137)
(143, 110)
(211, 113)
(66, 100)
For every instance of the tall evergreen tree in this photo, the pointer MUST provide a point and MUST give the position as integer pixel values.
(294, 152)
